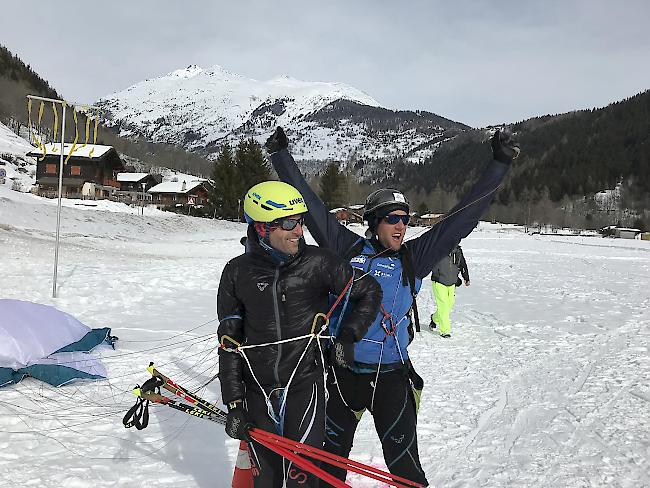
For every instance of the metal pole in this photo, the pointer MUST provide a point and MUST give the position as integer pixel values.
(143, 185)
(58, 210)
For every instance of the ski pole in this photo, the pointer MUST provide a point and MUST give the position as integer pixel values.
(339, 461)
(298, 461)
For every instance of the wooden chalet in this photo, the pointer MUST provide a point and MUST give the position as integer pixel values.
(346, 215)
(135, 181)
(134, 186)
(91, 171)
(181, 192)
(619, 232)
(428, 219)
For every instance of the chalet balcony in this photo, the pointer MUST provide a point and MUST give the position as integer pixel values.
(111, 182)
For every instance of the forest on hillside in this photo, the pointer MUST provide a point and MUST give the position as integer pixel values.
(566, 161)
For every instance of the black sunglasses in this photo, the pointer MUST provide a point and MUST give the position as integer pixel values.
(288, 223)
(393, 219)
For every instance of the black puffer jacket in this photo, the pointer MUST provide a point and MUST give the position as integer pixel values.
(260, 301)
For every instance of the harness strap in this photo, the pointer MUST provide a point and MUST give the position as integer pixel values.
(138, 414)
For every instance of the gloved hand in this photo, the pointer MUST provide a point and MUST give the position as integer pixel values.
(342, 353)
(237, 426)
(276, 141)
(504, 148)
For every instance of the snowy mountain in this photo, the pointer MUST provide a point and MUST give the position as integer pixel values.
(200, 109)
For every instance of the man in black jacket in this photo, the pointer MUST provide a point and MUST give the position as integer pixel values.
(271, 363)
(382, 379)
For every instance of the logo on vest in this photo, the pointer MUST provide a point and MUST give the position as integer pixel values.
(381, 274)
(262, 286)
(358, 259)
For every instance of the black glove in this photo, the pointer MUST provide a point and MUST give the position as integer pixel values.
(276, 141)
(342, 353)
(504, 148)
(237, 426)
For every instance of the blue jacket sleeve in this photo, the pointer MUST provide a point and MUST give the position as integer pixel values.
(437, 242)
(323, 226)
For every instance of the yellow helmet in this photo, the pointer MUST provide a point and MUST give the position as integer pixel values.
(272, 200)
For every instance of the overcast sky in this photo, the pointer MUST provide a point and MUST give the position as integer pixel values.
(477, 62)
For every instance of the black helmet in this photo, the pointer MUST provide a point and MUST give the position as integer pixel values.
(382, 202)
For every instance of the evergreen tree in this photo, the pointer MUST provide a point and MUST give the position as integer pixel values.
(224, 198)
(251, 163)
(333, 187)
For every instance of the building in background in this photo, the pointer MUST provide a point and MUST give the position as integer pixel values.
(183, 191)
(134, 187)
(90, 172)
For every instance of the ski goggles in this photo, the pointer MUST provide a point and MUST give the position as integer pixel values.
(288, 223)
(393, 219)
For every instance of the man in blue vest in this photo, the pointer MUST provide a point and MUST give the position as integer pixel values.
(382, 379)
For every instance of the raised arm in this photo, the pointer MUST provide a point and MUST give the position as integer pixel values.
(437, 242)
(231, 324)
(323, 226)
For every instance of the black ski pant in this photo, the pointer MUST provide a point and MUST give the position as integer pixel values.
(394, 414)
(304, 421)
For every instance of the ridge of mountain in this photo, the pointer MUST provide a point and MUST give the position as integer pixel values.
(200, 109)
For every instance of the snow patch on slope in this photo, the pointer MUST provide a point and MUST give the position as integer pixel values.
(20, 169)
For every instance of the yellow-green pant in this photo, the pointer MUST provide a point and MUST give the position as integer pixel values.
(445, 297)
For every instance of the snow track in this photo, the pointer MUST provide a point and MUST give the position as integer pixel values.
(544, 383)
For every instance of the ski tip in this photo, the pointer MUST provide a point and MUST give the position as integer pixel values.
(137, 392)
(150, 368)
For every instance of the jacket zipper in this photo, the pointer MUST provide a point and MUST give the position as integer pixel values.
(278, 330)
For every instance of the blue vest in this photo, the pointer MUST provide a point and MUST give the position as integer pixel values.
(396, 303)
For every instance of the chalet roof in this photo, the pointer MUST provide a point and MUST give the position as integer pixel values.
(80, 150)
(615, 227)
(131, 177)
(335, 210)
(431, 216)
(177, 186)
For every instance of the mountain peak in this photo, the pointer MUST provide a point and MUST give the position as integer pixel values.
(191, 71)
(222, 73)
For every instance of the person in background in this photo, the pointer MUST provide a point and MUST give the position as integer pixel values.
(444, 280)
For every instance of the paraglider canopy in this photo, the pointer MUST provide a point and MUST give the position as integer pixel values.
(48, 344)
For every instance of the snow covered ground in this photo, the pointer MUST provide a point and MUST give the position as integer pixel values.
(19, 169)
(545, 382)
